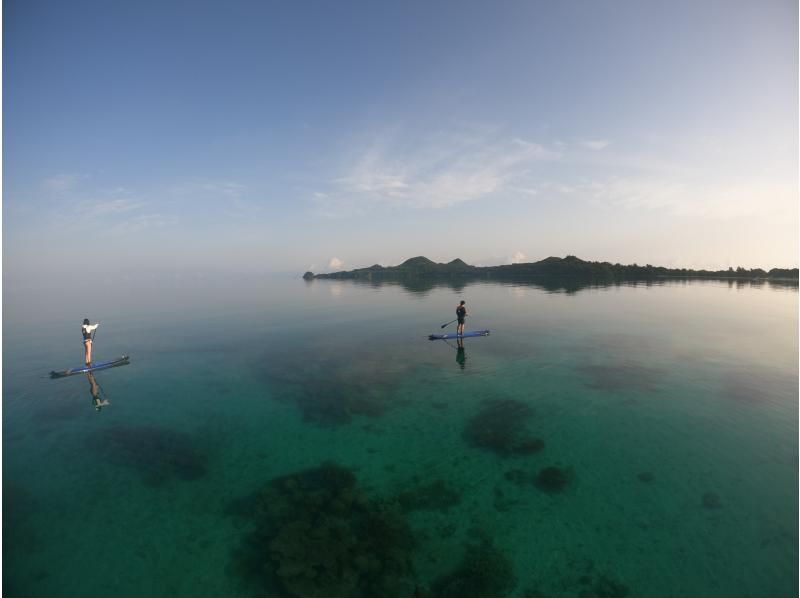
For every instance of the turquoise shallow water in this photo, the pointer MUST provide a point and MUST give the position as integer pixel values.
(621, 441)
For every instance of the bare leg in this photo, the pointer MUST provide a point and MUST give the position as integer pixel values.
(88, 351)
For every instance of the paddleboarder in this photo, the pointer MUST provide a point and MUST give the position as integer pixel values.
(461, 313)
(86, 330)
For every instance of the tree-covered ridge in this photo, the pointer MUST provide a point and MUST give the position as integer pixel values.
(569, 266)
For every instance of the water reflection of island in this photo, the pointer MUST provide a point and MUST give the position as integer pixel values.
(556, 275)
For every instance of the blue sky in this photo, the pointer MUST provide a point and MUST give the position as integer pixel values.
(285, 136)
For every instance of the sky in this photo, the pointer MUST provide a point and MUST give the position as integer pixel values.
(256, 137)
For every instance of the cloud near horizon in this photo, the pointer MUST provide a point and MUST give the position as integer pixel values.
(709, 200)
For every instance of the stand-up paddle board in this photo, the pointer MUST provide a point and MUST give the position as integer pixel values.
(441, 337)
(100, 365)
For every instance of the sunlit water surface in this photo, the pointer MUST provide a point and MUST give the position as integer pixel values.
(619, 441)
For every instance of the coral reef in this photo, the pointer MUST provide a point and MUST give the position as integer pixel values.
(317, 535)
(552, 479)
(159, 454)
(501, 427)
(484, 572)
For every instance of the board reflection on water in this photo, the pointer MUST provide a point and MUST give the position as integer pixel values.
(307, 439)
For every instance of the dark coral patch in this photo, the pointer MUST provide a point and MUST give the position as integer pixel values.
(552, 479)
(484, 572)
(159, 454)
(501, 427)
(317, 535)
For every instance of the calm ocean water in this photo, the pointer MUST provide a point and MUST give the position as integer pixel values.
(306, 439)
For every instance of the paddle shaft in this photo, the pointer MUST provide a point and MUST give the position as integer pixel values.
(456, 320)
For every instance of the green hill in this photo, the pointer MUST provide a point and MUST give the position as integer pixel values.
(552, 267)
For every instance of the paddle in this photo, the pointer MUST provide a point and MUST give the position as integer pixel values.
(456, 320)
(94, 332)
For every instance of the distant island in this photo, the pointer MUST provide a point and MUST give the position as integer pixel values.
(569, 267)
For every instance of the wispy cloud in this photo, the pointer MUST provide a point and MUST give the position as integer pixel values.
(98, 208)
(116, 210)
(61, 183)
(436, 173)
(335, 263)
(595, 144)
(517, 258)
(138, 223)
(229, 198)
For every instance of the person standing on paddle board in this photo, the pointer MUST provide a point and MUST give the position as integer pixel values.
(461, 313)
(87, 329)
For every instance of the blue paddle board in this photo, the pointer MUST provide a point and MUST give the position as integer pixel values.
(100, 365)
(441, 337)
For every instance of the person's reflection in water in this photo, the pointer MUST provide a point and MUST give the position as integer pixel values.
(461, 357)
(94, 388)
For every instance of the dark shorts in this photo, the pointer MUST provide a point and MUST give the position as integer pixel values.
(460, 320)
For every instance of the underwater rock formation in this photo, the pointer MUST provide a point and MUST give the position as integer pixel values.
(318, 536)
(484, 572)
(159, 454)
(501, 427)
